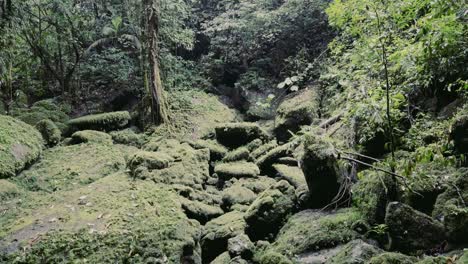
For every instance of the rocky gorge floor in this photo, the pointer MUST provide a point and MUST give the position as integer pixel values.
(216, 190)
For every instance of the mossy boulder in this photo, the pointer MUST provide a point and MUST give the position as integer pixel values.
(291, 174)
(321, 170)
(101, 122)
(269, 211)
(451, 208)
(8, 190)
(200, 211)
(263, 149)
(128, 137)
(44, 110)
(148, 161)
(241, 246)
(238, 154)
(240, 169)
(218, 231)
(296, 111)
(392, 258)
(217, 151)
(20, 145)
(266, 161)
(459, 133)
(237, 194)
(372, 194)
(411, 230)
(234, 135)
(271, 257)
(224, 258)
(355, 252)
(49, 131)
(91, 136)
(313, 230)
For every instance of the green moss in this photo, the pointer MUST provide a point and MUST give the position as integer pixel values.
(268, 212)
(50, 132)
(224, 258)
(217, 151)
(295, 112)
(392, 258)
(8, 190)
(91, 136)
(240, 169)
(242, 153)
(46, 109)
(435, 260)
(128, 137)
(311, 230)
(102, 122)
(217, 232)
(200, 211)
(234, 135)
(256, 153)
(237, 194)
(372, 194)
(61, 168)
(355, 252)
(20, 145)
(293, 175)
(266, 161)
(149, 160)
(133, 222)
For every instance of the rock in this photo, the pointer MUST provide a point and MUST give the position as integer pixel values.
(207, 196)
(8, 190)
(411, 230)
(238, 260)
(266, 161)
(217, 151)
(459, 133)
(273, 258)
(215, 236)
(255, 144)
(263, 149)
(200, 211)
(240, 169)
(355, 252)
(20, 146)
(148, 161)
(290, 161)
(292, 174)
(451, 208)
(296, 111)
(44, 110)
(239, 154)
(392, 258)
(313, 230)
(372, 194)
(321, 170)
(241, 246)
(101, 122)
(268, 212)
(91, 136)
(234, 135)
(237, 194)
(49, 131)
(128, 137)
(222, 259)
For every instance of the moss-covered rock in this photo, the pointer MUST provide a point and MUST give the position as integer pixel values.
(200, 211)
(392, 258)
(355, 252)
(269, 211)
(45, 109)
(240, 169)
(218, 231)
(321, 170)
(241, 246)
(49, 131)
(20, 145)
(266, 160)
(459, 133)
(217, 151)
(91, 136)
(293, 175)
(128, 137)
(237, 194)
(224, 258)
(263, 149)
(294, 112)
(234, 135)
(452, 209)
(312, 230)
(101, 122)
(372, 194)
(239, 154)
(8, 190)
(148, 161)
(411, 230)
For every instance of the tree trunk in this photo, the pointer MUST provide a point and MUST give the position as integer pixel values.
(158, 103)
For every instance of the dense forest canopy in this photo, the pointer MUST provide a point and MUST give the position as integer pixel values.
(233, 131)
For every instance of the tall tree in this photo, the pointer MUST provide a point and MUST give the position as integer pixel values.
(158, 103)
